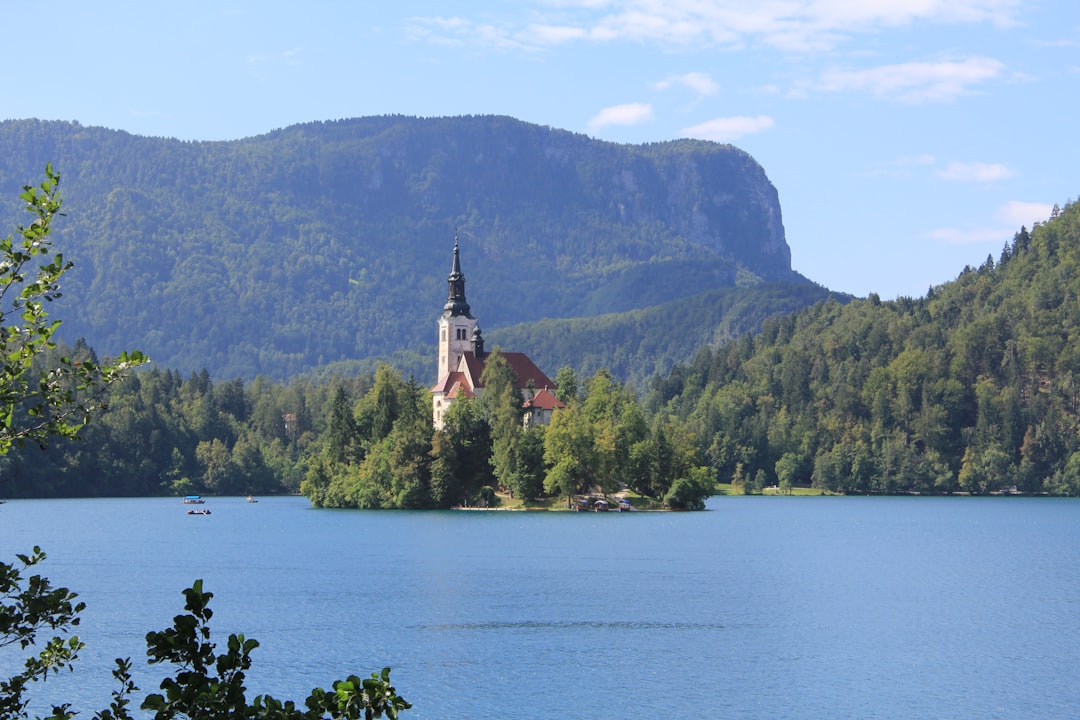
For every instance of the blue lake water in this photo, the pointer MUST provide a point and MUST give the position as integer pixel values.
(761, 607)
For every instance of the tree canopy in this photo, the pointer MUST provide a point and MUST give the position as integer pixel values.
(972, 388)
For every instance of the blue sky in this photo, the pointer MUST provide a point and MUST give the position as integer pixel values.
(907, 138)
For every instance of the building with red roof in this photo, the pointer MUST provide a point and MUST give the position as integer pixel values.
(462, 358)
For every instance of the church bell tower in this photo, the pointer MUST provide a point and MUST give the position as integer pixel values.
(456, 324)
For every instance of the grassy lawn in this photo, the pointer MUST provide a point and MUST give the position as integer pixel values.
(725, 489)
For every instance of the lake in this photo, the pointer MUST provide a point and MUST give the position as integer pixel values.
(760, 607)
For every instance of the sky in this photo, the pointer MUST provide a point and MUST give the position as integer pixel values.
(906, 138)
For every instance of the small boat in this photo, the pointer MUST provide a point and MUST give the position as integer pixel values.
(251, 499)
(199, 511)
(193, 500)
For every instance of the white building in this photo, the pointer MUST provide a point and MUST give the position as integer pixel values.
(462, 359)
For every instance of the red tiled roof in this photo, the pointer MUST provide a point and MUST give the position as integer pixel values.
(451, 383)
(544, 399)
(523, 367)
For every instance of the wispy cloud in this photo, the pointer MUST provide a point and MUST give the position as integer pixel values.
(903, 165)
(974, 172)
(729, 129)
(700, 83)
(554, 34)
(796, 25)
(292, 57)
(461, 31)
(1016, 213)
(970, 236)
(915, 82)
(915, 160)
(289, 57)
(1008, 219)
(628, 114)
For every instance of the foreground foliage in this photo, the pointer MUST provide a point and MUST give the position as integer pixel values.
(43, 395)
(206, 683)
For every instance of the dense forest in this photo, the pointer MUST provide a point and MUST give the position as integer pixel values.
(329, 242)
(638, 345)
(972, 388)
(365, 442)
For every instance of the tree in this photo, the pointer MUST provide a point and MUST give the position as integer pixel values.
(38, 402)
(531, 469)
(462, 452)
(787, 469)
(566, 385)
(501, 406)
(341, 438)
(569, 450)
(690, 492)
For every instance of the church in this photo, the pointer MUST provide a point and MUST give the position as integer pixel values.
(462, 358)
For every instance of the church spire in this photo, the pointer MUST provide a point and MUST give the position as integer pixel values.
(456, 305)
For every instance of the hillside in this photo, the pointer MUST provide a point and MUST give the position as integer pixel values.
(973, 388)
(330, 242)
(640, 344)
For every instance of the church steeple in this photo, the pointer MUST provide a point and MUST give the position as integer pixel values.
(456, 305)
(456, 324)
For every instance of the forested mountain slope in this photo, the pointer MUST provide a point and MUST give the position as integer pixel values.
(975, 387)
(640, 344)
(332, 241)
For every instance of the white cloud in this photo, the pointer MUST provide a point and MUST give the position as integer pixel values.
(970, 236)
(796, 25)
(728, 129)
(974, 172)
(700, 83)
(459, 31)
(1016, 213)
(554, 34)
(1010, 217)
(628, 114)
(901, 166)
(915, 82)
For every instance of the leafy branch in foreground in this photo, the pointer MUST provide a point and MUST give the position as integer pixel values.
(38, 402)
(205, 684)
(208, 685)
(27, 609)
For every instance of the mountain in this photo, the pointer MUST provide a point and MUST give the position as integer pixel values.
(638, 345)
(330, 242)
